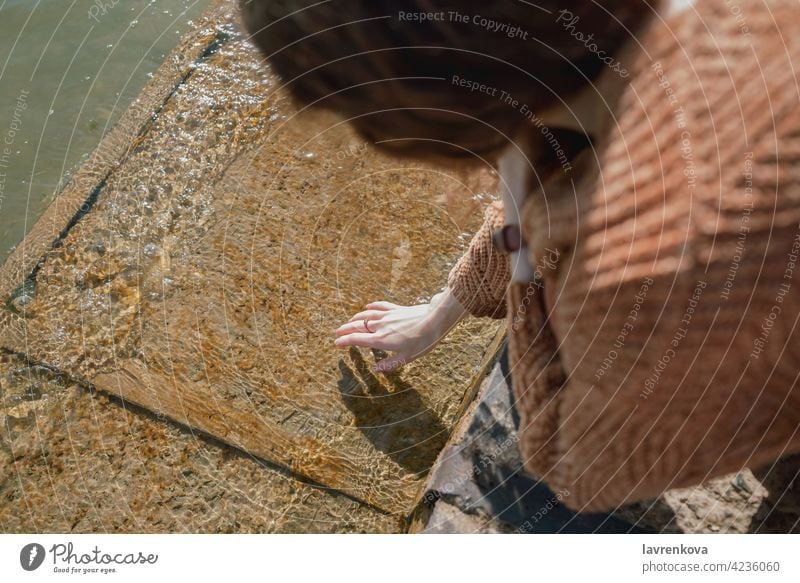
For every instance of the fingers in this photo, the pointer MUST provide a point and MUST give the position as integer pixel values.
(382, 306)
(353, 327)
(367, 315)
(374, 311)
(361, 339)
(391, 363)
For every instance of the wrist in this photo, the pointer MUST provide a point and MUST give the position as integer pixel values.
(446, 311)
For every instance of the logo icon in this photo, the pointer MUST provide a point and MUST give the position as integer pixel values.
(31, 556)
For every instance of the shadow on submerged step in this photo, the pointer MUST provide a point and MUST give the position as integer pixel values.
(391, 414)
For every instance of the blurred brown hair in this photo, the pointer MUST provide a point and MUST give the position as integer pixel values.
(392, 76)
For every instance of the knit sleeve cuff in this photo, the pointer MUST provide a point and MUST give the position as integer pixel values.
(480, 278)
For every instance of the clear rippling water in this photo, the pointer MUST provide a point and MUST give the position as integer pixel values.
(68, 69)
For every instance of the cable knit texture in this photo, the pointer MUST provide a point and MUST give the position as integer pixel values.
(480, 278)
(670, 353)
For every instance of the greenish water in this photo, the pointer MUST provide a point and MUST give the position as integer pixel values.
(68, 70)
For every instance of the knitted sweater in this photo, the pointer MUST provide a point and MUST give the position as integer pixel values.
(657, 345)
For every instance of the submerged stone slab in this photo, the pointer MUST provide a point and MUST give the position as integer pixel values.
(212, 255)
(73, 461)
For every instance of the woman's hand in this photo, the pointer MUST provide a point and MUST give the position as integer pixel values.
(408, 331)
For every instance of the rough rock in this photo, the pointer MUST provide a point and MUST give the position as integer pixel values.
(478, 485)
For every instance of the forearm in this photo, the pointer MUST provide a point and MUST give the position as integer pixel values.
(479, 279)
(445, 312)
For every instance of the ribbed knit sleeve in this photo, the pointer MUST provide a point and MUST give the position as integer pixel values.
(480, 278)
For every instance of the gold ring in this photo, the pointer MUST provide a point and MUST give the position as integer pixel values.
(366, 325)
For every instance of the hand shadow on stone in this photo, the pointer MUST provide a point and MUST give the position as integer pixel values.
(391, 414)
